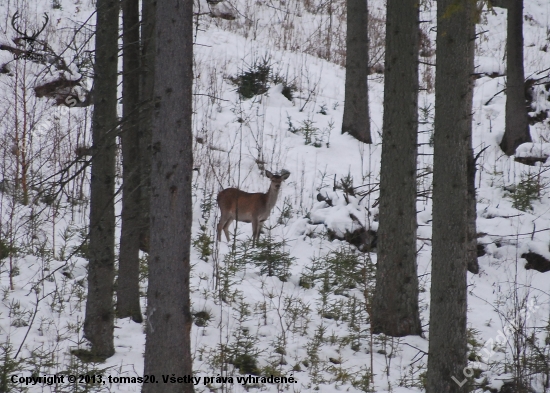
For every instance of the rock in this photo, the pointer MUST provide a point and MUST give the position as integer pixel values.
(536, 261)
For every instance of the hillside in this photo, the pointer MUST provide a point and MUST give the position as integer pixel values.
(298, 304)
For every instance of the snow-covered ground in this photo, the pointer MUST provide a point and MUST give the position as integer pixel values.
(313, 324)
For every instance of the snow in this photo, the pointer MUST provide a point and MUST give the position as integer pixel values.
(238, 138)
(530, 149)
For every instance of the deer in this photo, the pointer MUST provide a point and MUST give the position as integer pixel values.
(247, 207)
(25, 38)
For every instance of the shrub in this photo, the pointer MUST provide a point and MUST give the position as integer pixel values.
(340, 270)
(526, 192)
(203, 243)
(258, 78)
(270, 256)
(312, 135)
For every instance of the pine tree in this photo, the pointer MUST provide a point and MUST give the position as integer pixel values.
(99, 319)
(451, 202)
(168, 345)
(128, 273)
(148, 11)
(395, 303)
(516, 130)
(356, 119)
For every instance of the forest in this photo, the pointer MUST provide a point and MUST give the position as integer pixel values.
(275, 195)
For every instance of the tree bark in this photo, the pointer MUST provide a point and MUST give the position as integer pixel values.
(146, 114)
(395, 303)
(499, 3)
(99, 319)
(450, 238)
(516, 130)
(167, 349)
(128, 274)
(356, 120)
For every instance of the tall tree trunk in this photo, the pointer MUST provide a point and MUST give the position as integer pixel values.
(516, 131)
(356, 119)
(168, 346)
(128, 273)
(146, 114)
(450, 238)
(395, 303)
(99, 320)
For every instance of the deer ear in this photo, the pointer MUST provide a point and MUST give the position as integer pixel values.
(268, 174)
(285, 175)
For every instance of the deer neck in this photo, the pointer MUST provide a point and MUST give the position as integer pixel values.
(272, 195)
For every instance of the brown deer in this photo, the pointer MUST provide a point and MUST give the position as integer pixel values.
(242, 206)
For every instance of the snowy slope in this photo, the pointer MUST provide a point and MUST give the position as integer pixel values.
(295, 326)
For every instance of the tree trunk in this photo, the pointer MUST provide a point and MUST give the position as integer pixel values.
(356, 119)
(450, 238)
(395, 303)
(146, 114)
(99, 320)
(516, 131)
(168, 346)
(499, 3)
(128, 274)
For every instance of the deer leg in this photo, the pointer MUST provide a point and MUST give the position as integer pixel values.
(219, 228)
(256, 228)
(260, 226)
(226, 228)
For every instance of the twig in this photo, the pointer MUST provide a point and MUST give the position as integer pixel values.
(496, 94)
(210, 96)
